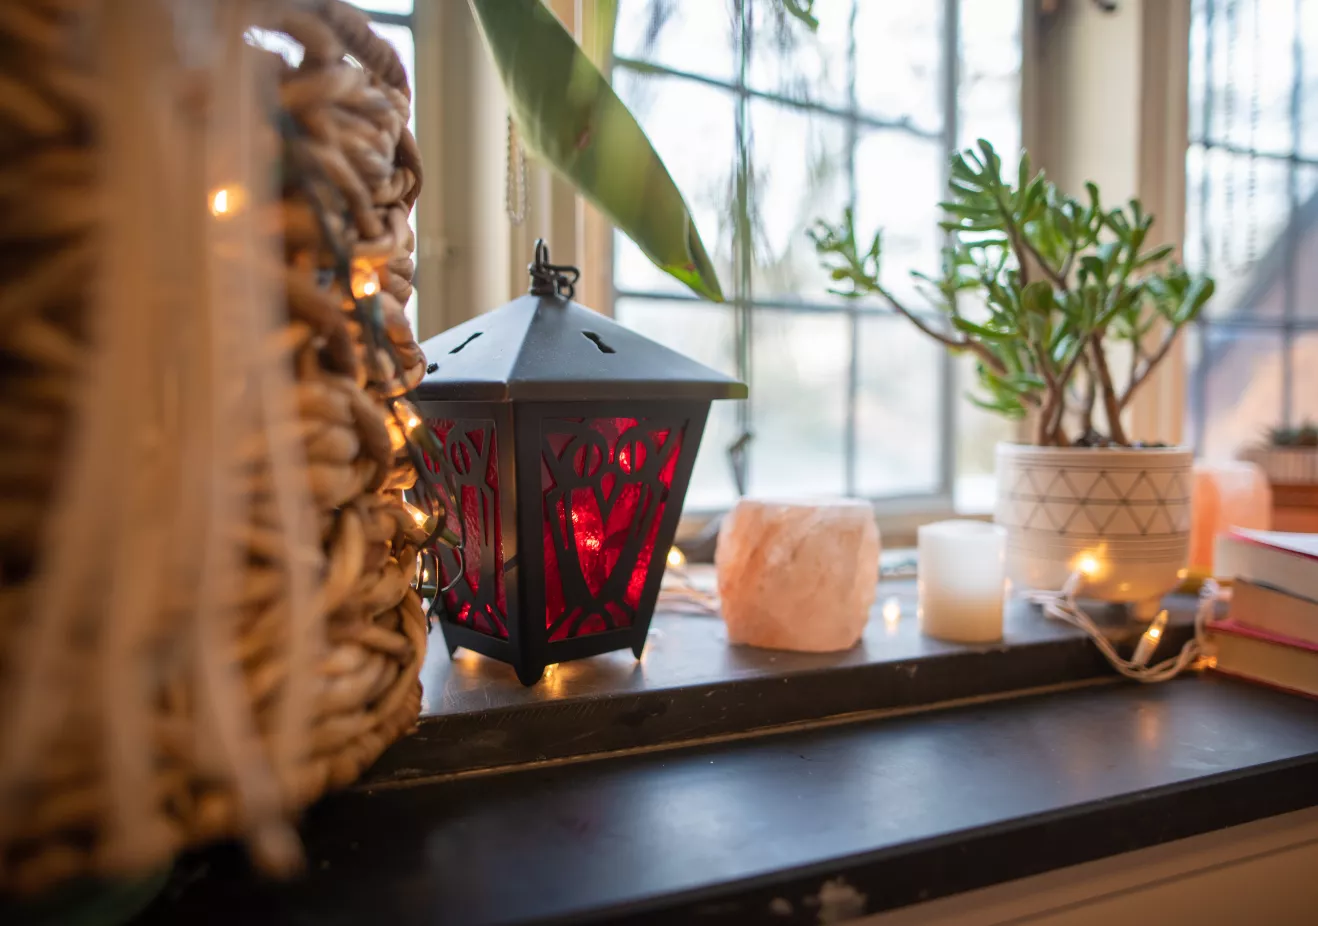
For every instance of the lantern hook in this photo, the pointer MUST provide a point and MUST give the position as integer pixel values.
(551, 279)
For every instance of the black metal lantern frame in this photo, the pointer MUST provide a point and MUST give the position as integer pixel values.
(569, 444)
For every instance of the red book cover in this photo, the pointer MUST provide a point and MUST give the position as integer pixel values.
(1227, 625)
(1268, 658)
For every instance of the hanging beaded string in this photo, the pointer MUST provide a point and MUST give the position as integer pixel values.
(1252, 177)
(514, 178)
(1062, 605)
(362, 286)
(1228, 123)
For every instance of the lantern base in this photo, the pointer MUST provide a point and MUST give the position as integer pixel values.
(529, 675)
(530, 667)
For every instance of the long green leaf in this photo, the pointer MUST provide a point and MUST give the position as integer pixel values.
(571, 118)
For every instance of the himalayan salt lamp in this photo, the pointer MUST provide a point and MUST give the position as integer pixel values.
(1225, 495)
(798, 575)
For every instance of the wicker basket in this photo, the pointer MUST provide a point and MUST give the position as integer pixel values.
(60, 819)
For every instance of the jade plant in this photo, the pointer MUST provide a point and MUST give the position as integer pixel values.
(1304, 435)
(1064, 309)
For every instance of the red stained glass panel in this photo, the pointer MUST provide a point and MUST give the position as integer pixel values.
(606, 484)
(479, 600)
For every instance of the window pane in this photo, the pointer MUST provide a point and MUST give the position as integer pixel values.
(899, 61)
(899, 181)
(1237, 209)
(989, 91)
(1242, 390)
(799, 385)
(799, 174)
(1309, 99)
(693, 128)
(789, 60)
(1304, 390)
(1253, 71)
(704, 332)
(695, 36)
(897, 409)
(978, 433)
(384, 6)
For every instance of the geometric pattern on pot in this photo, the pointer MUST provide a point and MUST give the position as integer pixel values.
(1100, 503)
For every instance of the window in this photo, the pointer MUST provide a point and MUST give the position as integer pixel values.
(766, 127)
(1252, 217)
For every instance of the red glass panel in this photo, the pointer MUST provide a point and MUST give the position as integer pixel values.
(605, 484)
(479, 600)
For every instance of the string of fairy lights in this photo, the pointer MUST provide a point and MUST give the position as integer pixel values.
(358, 279)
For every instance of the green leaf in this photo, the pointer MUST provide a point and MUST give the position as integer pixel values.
(1008, 409)
(979, 331)
(1200, 291)
(1155, 256)
(570, 116)
(1037, 298)
(802, 10)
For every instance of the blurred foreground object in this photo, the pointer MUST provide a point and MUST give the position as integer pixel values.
(206, 617)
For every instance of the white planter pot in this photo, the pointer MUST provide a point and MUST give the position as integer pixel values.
(1286, 465)
(1121, 514)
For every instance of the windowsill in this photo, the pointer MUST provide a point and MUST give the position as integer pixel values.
(879, 813)
(691, 685)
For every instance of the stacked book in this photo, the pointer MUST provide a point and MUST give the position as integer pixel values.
(1270, 632)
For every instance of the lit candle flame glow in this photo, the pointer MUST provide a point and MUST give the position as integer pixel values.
(676, 558)
(892, 611)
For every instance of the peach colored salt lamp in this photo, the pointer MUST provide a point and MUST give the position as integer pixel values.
(1225, 495)
(798, 575)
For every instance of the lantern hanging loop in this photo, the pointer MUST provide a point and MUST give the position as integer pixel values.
(551, 279)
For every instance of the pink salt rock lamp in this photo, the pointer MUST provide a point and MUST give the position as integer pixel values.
(1225, 495)
(798, 575)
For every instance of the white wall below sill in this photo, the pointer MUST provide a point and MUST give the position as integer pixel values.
(1260, 874)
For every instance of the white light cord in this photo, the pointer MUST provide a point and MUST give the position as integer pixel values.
(1062, 606)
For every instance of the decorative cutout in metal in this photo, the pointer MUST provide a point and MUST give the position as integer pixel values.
(479, 600)
(606, 482)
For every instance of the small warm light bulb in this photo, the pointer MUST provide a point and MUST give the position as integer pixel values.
(225, 201)
(365, 281)
(419, 516)
(892, 611)
(407, 416)
(1087, 565)
(1149, 640)
(676, 558)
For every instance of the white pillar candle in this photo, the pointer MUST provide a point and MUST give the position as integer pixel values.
(961, 580)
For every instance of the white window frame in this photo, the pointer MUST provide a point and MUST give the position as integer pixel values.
(472, 259)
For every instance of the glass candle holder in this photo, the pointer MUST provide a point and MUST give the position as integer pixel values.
(962, 581)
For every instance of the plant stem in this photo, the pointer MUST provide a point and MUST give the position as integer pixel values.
(980, 351)
(1149, 364)
(1091, 396)
(1111, 405)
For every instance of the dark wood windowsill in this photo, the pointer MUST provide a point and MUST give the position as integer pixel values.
(728, 786)
(691, 686)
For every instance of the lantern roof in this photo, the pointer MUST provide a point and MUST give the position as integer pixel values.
(548, 348)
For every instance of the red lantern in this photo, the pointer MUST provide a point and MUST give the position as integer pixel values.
(569, 444)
